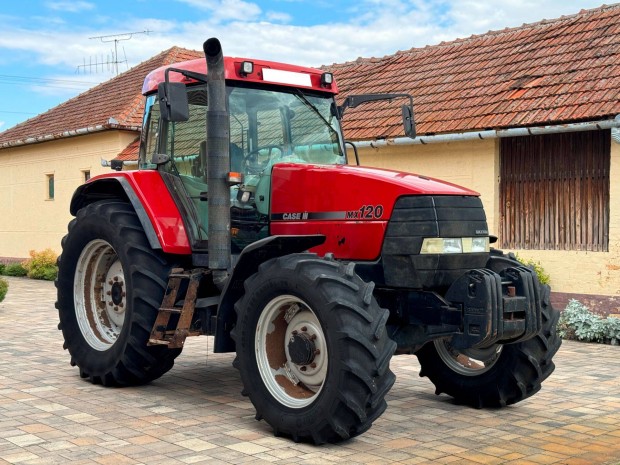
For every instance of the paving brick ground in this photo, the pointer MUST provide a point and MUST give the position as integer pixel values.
(195, 414)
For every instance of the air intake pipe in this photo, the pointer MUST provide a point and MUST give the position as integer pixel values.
(218, 166)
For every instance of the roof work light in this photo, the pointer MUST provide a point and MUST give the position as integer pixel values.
(327, 79)
(247, 67)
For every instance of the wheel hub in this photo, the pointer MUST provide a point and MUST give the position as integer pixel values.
(301, 348)
(117, 293)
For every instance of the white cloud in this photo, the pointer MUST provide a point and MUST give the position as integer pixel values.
(71, 84)
(70, 6)
(1, 124)
(278, 17)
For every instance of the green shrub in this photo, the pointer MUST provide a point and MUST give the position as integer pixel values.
(543, 276)
(2, 267)
(613, 330)
(15, 269)
(42, 265)
(4, 288)
(577, 322)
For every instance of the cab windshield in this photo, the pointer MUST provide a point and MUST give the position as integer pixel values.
(266, 127)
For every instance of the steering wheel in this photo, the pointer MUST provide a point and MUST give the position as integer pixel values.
(257, 160)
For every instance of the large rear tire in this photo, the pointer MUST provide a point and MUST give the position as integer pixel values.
(110, 286)
(312, 349)
(495, 376)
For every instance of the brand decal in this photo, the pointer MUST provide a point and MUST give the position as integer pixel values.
(295, 216)
(365, 212)
(306, 216)
(482, 232)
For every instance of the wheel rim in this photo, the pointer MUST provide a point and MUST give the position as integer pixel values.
(99, 295)
(468, 362)
(291, 351)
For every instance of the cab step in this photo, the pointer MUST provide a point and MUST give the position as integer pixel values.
(175, 338)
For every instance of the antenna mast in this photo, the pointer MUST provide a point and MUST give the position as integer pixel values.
(116, 38)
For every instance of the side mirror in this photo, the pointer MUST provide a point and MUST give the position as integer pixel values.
(408, 122)
(173, 103)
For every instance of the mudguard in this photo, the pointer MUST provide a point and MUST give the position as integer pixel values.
(150, 198)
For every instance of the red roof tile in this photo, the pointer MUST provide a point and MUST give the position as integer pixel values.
(130, 152)
(550, 72)
(116, 103)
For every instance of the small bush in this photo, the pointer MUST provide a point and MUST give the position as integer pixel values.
(577, 322)
(15, 269)
(42, 265)
(613, 330)
(543, 276)
(4, 288)
(2, 267)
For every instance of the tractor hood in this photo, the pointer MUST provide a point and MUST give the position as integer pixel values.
(350, 205)
(321, 187)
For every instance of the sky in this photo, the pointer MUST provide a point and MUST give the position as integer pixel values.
(52, 50)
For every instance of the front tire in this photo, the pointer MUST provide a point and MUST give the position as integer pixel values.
(312, 349)
(110, 286)
(496, 376)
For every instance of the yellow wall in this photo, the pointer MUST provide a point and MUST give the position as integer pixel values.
(475, 164)
(28, 220)
(471, 164)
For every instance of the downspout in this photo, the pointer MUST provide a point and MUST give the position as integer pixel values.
(493, 133)
(218, 167)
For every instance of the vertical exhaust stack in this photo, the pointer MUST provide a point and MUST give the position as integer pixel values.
(218, 167)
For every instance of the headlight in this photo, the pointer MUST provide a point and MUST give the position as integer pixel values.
(478, 244)
(438, 245)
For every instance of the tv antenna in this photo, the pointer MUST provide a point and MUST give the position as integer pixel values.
(114, 62)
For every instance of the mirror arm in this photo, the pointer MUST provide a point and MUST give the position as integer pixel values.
(188, 74)
(353, 101)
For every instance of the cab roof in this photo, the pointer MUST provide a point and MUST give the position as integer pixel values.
(269, 72)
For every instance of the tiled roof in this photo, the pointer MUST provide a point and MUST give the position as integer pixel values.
(550, 72)
(130, 152)
(116, 103)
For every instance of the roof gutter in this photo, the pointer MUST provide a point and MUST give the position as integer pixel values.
(72, 133)
(493, 133)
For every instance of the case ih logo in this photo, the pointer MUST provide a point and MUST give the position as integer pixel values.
(295, 216)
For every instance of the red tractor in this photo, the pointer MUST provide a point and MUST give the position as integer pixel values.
(245, 222)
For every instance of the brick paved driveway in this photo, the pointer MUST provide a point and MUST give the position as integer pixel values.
(195, 414)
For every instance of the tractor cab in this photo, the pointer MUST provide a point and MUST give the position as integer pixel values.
(268, 123)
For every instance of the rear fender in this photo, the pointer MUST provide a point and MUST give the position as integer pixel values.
(151, 200)
(247, 264)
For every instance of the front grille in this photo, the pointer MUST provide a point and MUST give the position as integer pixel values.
(417, 217)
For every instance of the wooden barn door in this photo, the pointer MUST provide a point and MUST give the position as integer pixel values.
(554, 191)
